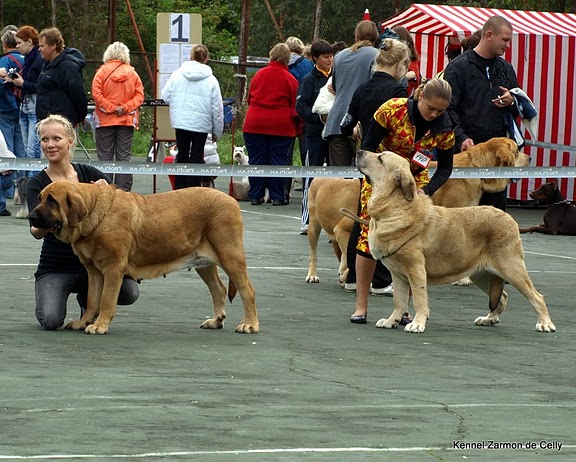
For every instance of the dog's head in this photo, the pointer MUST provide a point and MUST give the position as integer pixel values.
(545, 192)
(62, 206)
(498, 152)
(387, 172)
(240, 156)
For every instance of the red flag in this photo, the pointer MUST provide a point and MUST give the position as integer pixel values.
(367, 15)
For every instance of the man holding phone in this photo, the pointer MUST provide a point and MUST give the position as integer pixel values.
(481, 81)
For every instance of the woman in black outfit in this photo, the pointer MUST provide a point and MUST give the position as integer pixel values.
(59, 271)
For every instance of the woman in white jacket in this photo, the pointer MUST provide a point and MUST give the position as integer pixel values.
(193, 95)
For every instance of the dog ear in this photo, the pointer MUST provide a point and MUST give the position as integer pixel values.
(77, 209)
(555, 183)
(405, 181)
(506, 158)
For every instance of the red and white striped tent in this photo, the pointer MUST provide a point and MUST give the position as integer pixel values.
(543, 53)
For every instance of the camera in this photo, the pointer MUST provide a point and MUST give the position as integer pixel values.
(12, 73)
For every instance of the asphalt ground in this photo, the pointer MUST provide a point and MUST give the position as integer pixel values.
(309, 386)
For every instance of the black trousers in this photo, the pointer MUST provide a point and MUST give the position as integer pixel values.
(190, 151)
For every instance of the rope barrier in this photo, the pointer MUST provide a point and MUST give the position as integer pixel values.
(151, 168)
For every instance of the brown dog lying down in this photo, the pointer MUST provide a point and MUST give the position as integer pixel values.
(421, 243)
(465, 192)
(560, 217)
(326, 197)
(117, 233)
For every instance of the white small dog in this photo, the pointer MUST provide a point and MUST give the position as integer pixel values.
(324, 101)
(240, 188)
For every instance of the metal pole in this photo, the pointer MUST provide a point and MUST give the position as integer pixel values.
(242, 54)
(112, 21)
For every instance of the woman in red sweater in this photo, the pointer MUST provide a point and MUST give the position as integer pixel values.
(271, 123)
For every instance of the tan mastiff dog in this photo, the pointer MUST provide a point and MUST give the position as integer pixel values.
(326, 197)
(117, 233)
(421, 244)
(466, 192)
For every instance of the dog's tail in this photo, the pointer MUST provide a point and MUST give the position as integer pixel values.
(231, 290)
(354, 217)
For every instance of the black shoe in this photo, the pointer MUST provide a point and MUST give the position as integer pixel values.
(284, 202)
(256, 202)
(361, 319)
(5, 213)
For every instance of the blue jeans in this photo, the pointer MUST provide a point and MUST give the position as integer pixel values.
(29, 136)
(53, 289)
(268, 150)
(10, 127)
(6, 183)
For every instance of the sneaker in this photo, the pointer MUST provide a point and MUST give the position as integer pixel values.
(350, 287)
(5, 213)
(388, 290)
(304, 230)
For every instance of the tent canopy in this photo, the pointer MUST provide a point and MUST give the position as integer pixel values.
(461, 21)
(543, 53)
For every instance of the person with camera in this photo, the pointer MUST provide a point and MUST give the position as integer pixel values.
(25, 82)
(10, 65)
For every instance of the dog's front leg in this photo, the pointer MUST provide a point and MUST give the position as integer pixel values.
(401, 300)
(419, 285)
(108, 300)
(95, 286)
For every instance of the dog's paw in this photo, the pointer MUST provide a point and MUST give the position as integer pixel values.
(463, 282)
(216, 323)
(415, 327)
(96, 329)
(387, 323)
(76, 325)
(489, 320)
(312, 279)
(247, 328)
(547, 326)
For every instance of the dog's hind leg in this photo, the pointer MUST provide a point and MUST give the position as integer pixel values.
(493, 286)
(235, 267)
(209, 275)
(314, 230)
(518, 277)
(342, 237)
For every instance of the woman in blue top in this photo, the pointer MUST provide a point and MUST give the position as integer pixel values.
(59, 271)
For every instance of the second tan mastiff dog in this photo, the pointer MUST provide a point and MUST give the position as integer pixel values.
(421, 244)
(326, 197)
(117, 233)
(465, 192)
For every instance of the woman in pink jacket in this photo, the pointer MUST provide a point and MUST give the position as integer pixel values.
(118, 93)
